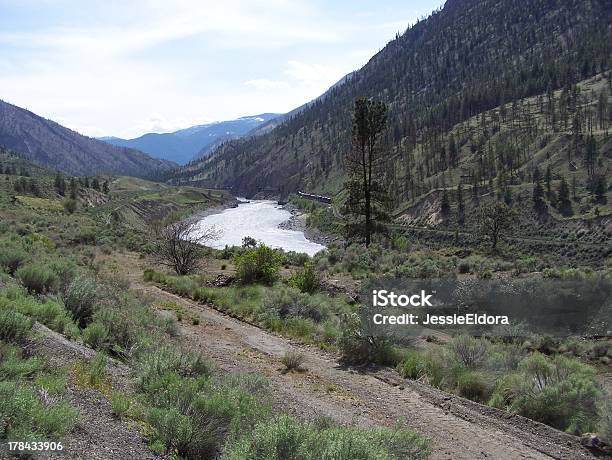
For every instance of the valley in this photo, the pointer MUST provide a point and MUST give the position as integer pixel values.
(223, 291)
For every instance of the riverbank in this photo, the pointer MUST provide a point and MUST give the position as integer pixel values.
(297, 222)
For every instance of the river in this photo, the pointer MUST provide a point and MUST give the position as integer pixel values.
(260, 220)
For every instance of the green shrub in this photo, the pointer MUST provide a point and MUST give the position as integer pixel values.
(86, 236)
(154, 364)
(260, 264)
(96, 335)
(54, 384)
(604, 427)
(293, 360)
(306, 280)
(469, 350)
(11, 259)
(474, 385)
(412, 366)
(38, 279)
(120, 405)
(80, 299)
(359, 348)
(172, 428)
(69, 205)
(25, 417)
(48, 312)
(203, 295)
(561, 392)
(14, 326)
(13, 366)
(94, 374)
(285, 437)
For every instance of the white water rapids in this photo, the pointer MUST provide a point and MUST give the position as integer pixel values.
(260, 220)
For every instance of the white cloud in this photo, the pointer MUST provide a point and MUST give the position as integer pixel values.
(153, 65)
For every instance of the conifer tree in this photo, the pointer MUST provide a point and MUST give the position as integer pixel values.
(367, 202)
(563, 198)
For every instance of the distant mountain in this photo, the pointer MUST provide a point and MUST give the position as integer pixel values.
(273, 123)
(187, 144)
(51, 144)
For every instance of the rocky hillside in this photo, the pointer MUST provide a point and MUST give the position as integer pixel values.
(51, 144)
(465, 59)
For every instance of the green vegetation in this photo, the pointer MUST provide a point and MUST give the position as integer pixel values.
(293, 360)
(558, 390)
(314, 318)
(258, 264)
(286, 437)
(54, 272)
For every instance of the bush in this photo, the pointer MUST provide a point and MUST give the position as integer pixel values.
(97, 370)
(120, 405)
(25, 417)
(13, 366)
(293, 360)
(69, 205)
(11, 259)
(38, 279)
(174, 429)
(561, 392)
(605, 419)
(49, 312)
(54, 384)
(154, 364)
(474, 385)
(358, 348)
(412, 367)
(14, 326)
(285, 437)
(260, 264)
(96, 335)
(469, 350)
(80, 299)
(306, 280)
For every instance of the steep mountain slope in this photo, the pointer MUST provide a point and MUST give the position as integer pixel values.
(186, 144)
(13, 164)
(51, 144)
(469, 57)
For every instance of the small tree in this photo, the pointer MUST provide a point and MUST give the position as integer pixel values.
(249, 242)
(460, 205)
(178, 243)
(494, 221)
(563, 198)
(60, 184)
(69, 205)
(445, 205)
(538, 197)
(74, 188)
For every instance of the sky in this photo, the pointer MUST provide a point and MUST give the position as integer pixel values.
(124, 68)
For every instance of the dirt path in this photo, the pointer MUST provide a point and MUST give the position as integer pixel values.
(458, 429)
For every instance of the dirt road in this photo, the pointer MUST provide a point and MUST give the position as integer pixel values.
(458, 429)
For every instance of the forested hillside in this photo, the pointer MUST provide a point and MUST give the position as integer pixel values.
(522, 59)
(51, 144)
